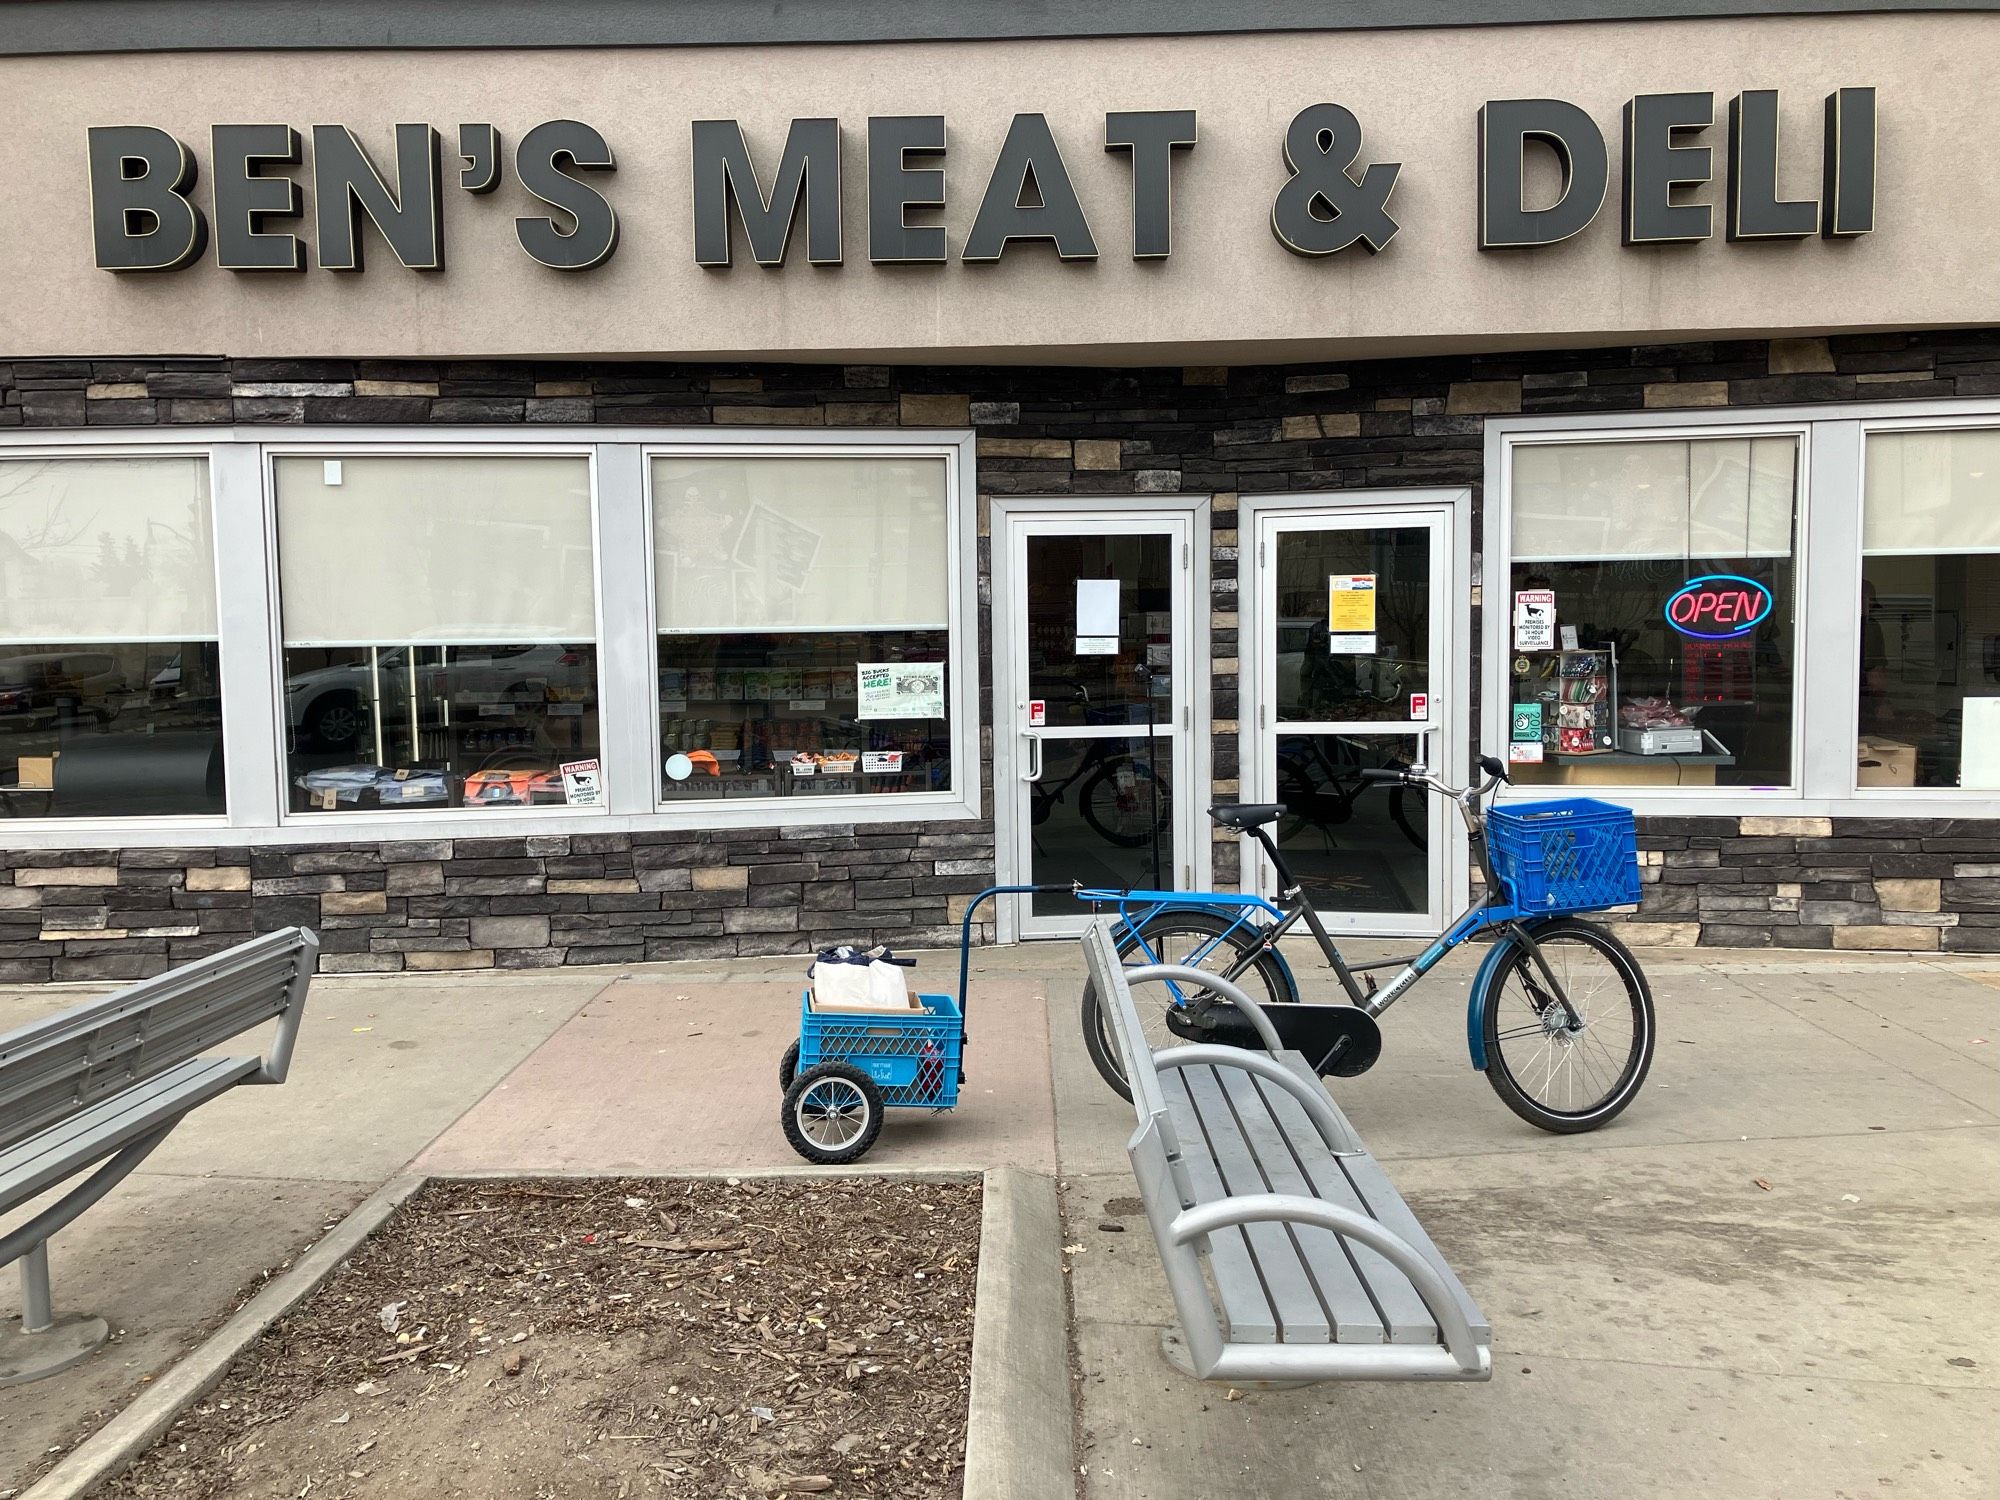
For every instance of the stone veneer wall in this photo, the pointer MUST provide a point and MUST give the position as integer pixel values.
(593, 898)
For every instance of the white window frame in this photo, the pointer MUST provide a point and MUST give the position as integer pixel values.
(1826, 610)
(961, 665)
(443, 446)
(250, 638)
(100, 831)
(1896, 800)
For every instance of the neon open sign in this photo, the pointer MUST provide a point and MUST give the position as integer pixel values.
(1718, 606)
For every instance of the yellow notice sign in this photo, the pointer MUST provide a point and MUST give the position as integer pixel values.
(1351, 602)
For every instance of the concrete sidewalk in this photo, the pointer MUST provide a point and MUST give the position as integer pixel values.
(1664, 1324)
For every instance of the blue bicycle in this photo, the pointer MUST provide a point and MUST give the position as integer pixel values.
(1560, 1018)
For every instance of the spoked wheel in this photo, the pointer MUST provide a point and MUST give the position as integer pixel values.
(1119, 803)
(832, 1114)
(1575, 1069)
(1193, 938)
(788, 1067)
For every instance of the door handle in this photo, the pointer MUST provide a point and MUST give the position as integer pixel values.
(1034, 771)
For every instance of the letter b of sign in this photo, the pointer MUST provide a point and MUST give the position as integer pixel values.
(1322, 209)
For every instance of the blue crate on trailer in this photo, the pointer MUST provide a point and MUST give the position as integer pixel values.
(1577, 854)
(912, 1058)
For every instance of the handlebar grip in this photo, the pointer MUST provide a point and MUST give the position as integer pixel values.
(1383, 773)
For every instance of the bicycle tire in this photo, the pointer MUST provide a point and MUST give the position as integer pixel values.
(1107, 775)
(1159, 933)
(1510, 1013)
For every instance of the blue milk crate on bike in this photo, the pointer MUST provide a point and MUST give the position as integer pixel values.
(1576, 854)
(912, 1058)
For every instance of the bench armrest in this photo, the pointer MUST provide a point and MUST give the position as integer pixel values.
(1332, 1129)
(1252, 1012)
(1197, 1223)
(278, 1062)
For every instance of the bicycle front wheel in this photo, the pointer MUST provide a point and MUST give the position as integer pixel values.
(1200, 940)
(1570, 1070)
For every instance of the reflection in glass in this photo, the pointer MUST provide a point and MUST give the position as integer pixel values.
(1356, 846)
(1616, 531)
(1929, 685)
(755, 715)
(437, 725)
(439, 614)
(110, 730)
(1318, 684)
(1098, 679)
(109, 699)
(1102, 814)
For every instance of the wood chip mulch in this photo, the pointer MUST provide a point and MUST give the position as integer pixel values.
(608, 1338)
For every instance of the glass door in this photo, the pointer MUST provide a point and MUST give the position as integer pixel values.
(1353, 673)
(1097, 608)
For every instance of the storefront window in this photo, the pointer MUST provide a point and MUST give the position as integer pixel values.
(803, 613)
(110, 698)
(439, 632)
(1929, 685)
(1652, 589)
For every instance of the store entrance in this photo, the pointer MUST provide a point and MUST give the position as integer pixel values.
(1093, 711)
(1355, 622)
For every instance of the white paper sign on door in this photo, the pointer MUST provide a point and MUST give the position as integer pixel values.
(1038, 712)
(1097, 617)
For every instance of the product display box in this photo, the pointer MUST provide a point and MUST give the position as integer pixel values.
(1661, 741)
(1881, 762)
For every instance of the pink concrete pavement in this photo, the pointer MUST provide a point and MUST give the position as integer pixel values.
(655, 1077)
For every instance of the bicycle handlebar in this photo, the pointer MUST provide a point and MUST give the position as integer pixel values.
(1418, 776)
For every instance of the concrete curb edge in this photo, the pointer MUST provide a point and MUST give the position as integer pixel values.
(1019, 1433)
(114, 1445)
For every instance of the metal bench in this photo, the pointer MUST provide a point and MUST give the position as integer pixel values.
(1316, 1269)
(105, 1082)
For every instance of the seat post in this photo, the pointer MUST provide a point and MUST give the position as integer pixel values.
(1287, 881)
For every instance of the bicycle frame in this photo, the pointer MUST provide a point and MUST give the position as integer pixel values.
(1272, 922)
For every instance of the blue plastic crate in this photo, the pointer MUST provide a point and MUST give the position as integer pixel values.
(913, 1059)
(1577, 854)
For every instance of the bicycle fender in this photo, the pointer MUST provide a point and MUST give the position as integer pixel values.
(1483, 984)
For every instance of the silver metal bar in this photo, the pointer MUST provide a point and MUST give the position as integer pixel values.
(1240, 1363)
(22, 1241)
(1192, 1224)
(1181, 973)
(1340, 1141)
(38, 1313)
(279, 1061)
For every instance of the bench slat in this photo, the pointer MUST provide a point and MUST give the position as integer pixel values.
(1246, 1305)
(1403, 1317)
(92, 1134)
(1386, 1204)
(1328, 1259)
(1208, 1129)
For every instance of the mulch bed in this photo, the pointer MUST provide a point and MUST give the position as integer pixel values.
(607, 1338)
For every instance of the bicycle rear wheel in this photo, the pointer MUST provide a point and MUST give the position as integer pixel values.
(1198, 939)
(1561, 1073)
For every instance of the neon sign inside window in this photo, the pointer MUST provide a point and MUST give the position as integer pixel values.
(1718, 606)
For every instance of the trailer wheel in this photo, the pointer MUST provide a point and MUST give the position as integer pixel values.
(832, 1114)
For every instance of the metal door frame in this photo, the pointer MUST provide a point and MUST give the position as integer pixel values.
(1011, 854)
(1454, 596)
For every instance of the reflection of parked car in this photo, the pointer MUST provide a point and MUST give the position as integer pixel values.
(327, 707)
(43, 686)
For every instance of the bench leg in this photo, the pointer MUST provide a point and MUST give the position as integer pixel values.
(38, 1343)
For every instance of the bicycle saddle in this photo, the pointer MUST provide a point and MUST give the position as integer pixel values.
(1246, 814)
